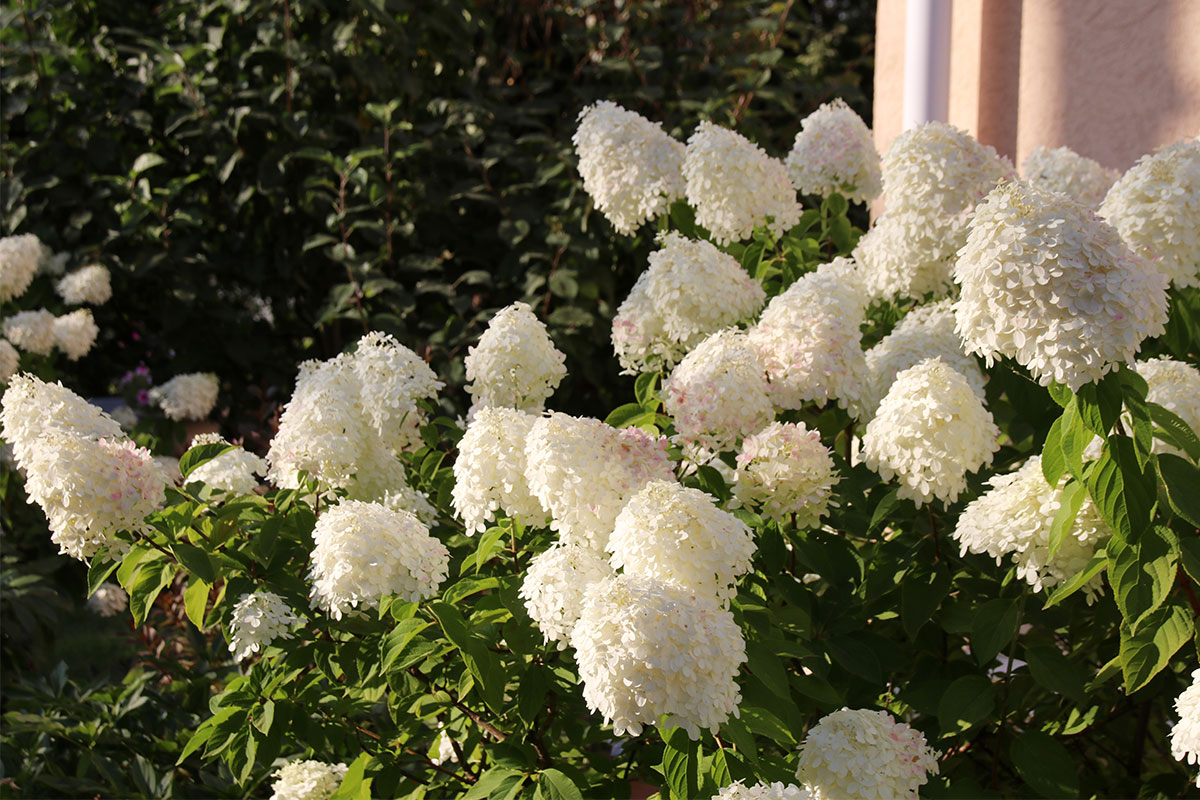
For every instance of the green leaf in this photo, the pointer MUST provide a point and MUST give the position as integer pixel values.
(1064, 518)
(1189, 551)
(1122, 491)
(765, 664)
(630, 415)
(354, 785)
(1045, 765)
(205, 732)
(150, 582)
(266, 717)
(490, 679)
(645, 389)
(1144, 654)
(1064, 590)
(1142, 572)
(1178, 433)
(1054, 462)
(554, 785)
(398, 639)
(1056, 673)
(195, 560)
(883, 511)
(1142, 424)
(1181, 481)
(713, 482)
(489, 783)
(195, 601)
(764, 723)
(1074, 439)
(144, 162)
(98, 571)
(489, 543)
(202, 454)
(1100, 403)
(965, 703)
(1061, 394)
(680, 764)
(994, 626)
(920, 596)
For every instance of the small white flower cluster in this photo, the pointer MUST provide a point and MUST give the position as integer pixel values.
(515, 364)
(937, 168)
(785, 470)
(930, 430)
(734, 186)
(19, 259)
(1047, 282)
(860, 753)
(10, 360)
(762, 791)
(554, 587)
(926, 331)
(1185, 734)
(1175, 386)
(190, 396)
(307, 780)
(1155, 206)
(75, 333)
(445, 753)
(679, 535)
(631, 168)
(31, 331)
(1063, 170)
(108, 600)
(809, 340)
(258, 619)
(691, 290)
(489, 472)
(909, 253)
(233, 471)
(718, 394)
(1014, 517)
(91, 285)
(834, 152)
(646, 649)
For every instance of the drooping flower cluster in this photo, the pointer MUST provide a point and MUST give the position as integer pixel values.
(1014, 518)
(307, 780)
(515, 364)
(646, 649)
(1175, 386)
(75, 333)
(679, 535)
(31, 331)
(630, 167)
(718, 394)
(834, 152)
(10, 360)
(785, 470)
(1185, 734)
(91, 284)
(735, 186)
(911, 253)
(926, 331)
(258, 619)
(1155, 206)
(762, 791)
(1047, 282)
(33, 408)
(489, 472)
(937, 168)
(108, 600)
(860, 753)
(233, 471)
(583, 472)
(1063, 170)
(366, 550)
(190, 396)
(809, 341)
(930, 430)
(554, 587)
(691, 290)
(19, 259)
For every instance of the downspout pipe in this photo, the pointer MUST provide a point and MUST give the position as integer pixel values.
(926, 62)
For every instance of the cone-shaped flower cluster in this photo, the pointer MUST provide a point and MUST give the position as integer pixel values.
(515, 365)
(785, 470)
(860, 753)
(834, 152)
(1063, 170)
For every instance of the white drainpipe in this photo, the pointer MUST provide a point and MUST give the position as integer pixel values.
(926, 62)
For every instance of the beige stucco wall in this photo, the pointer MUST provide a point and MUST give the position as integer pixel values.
(1112, 79)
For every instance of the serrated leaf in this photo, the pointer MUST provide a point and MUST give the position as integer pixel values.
(882, 512)
(479, 660)
(765, 664)
(1142, 572)
(680, 767)
(1099, 404)
(195, 560)
(645, 389)
(920, 596)
(1054, 462)
(1064, 518)
(1080, 579)
(629, 415)
(994, 627)
(966, 702)
(1045, 765)
(201, 454)
(1181, 481)
(355, 785)
(1189, 557)
(1056, 673)
(149, 584)
(1144, 654)
(1122, 491)
(398, 638)
(1179, 433)
(1141, 422)
(195, 601)
(554, 785)
(98, 571)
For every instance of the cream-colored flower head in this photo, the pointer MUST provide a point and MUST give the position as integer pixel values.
(366, 550)
(834, 152)
(10, 360)
(75, 333)
(718, 394)
(911, 253)
(33, 408)
(307, 780)
(648, 649)
(108, 600)
(762, 791)
(735, 186)
(19, 259)
(935, 168)
(392, 380)
(190, 396)
(31, 331)
(233, 471)
(1155, 206)
(786, 471)
(489, 472)
(1063, 170)
(631, 168)
(929, 431)
(1047, 282)
(258, 619)
(860, 753)
(515, 364)
(1175, 386)
(1185, 734)
(554, 587)
(91, 284)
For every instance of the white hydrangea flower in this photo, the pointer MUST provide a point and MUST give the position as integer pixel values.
(32, 408)
(911, 253)
(233, 471)
(405, 498)
(1155, 206)
(679, 535)
(10, 360)
(1046, 281)
(631, 168)
(307, 780)
(1014, 517)
(926, 331)
(583, 472)
(366, 550)
(92, 489)
(259, 618)
(392, 380)
(108, 600)
(190, 396)
(809, 340)
(834, 152)
(930, 430)
(718, 394)
(445, 753)
(639, 338)
(75, 333)
(762, 791)
(860, 753)
(515, 364)
(734, 186)
(935, 168)
(647, 649)
(489, 472)
(32, 331)
(1063, 170)
(19, 259)
(554, 586)
(1185, 734)
(1175, 386)
(53, 264)
(125, 416)
(91, 284)
(785, 470)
